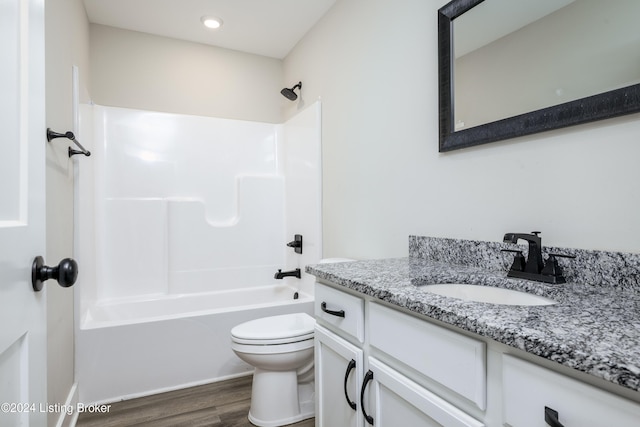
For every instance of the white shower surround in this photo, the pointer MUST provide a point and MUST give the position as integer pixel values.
(181, 223)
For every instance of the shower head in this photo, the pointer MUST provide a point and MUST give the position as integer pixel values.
(289, 93)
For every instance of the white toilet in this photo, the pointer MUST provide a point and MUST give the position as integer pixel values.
(281, 350)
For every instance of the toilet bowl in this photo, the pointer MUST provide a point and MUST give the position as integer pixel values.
(280, 348)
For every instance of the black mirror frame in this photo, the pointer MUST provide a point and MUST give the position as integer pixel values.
(597, 107)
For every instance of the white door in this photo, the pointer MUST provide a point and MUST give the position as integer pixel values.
(22, 213)
(338, 367)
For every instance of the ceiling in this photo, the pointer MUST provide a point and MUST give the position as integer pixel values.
(263, 27)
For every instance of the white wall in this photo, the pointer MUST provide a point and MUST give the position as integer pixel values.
(146, 72)
(67, 44)
(374, 64)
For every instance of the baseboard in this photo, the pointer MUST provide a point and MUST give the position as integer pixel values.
(69, 418)
(172, 388)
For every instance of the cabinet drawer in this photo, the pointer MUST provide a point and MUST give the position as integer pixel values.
(453, 360)
(340, 311)
(529, 388)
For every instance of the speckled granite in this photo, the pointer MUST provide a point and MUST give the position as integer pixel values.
(596, 268)
(594, 327)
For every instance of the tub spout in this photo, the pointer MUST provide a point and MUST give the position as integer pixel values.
(293, 273)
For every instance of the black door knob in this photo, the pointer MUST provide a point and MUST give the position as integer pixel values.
(64, 273)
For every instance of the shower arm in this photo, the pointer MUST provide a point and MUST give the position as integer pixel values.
(69, 135)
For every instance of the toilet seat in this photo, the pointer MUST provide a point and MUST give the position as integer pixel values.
(280, 341)
(275, 330)
(289, 347)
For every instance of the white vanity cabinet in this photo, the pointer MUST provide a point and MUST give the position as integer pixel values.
(397, 356)
(355, 389)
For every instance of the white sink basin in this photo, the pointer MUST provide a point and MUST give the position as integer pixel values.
(488, 294)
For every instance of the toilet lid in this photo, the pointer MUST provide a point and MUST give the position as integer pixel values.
(287, 327)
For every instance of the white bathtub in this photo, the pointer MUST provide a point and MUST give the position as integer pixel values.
(165, 307)
(136, 348)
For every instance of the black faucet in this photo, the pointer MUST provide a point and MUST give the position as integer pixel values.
(293, 273)
(534, 263)
(534, 268)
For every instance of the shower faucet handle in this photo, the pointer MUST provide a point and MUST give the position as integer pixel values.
(296, 244)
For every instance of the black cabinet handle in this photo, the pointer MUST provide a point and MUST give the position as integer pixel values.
(324, 308)
(551, 417)
(367, 377)
(350, 366)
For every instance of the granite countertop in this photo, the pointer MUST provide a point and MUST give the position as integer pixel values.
(594, 329)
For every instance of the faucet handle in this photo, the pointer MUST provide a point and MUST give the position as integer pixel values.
(552, 268)
(519, 262)
(562, 255)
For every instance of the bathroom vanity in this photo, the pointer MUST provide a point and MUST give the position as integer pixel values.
(389, 352)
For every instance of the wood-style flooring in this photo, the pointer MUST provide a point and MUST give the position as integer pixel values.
(221, 404)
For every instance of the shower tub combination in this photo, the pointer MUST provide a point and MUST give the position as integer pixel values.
(181, 224)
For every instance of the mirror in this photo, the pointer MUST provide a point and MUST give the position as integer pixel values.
(506, 70)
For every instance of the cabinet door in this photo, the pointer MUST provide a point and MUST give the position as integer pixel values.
(338, 369)
(397, 401)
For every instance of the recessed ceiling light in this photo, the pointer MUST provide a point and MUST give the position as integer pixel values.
(212, 22)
